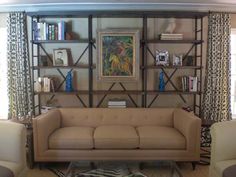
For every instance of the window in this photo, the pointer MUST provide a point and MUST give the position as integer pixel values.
(3, 73)
(233, 72)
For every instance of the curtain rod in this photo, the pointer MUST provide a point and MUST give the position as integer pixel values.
(221, 12)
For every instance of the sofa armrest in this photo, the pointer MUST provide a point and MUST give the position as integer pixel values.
(222, 135)
(190, 126)
(43, 126)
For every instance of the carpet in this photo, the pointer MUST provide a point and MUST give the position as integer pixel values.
(115, 170)
(106, 171)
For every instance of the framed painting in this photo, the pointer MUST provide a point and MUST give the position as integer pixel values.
(118, 55)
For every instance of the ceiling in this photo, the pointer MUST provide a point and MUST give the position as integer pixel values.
(116, 1)
(41, 5)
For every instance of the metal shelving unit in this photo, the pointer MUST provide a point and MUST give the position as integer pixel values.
(196, 45)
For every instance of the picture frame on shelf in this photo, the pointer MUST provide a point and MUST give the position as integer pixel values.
(177, 60)
(43, 60)
(162, 58)
(118, 55)
(60, 57)
(189, 61)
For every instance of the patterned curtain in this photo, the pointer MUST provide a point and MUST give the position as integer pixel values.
(19, 81)
(216, 98)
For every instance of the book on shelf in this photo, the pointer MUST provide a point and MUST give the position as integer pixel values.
(189, 83)
(117, 103)
(164, 36)
(44, 84)
(49, 31)
(116, 106)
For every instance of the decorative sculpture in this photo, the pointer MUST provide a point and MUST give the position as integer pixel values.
(69, 87)
(171, 26)
(161, 82)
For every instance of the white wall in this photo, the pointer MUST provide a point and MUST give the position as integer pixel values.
(3, 19)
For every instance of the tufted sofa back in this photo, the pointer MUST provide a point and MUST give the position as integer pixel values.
(94, 117)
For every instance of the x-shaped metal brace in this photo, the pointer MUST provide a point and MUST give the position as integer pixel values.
(169, 76)
(124, 89)
(64, 77)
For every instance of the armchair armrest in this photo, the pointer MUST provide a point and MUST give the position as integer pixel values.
(43, 126)
(190, 126)
(222, 135)
(13, 139)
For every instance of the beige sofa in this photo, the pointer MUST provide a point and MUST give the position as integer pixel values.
(69, 134)
(12, 148)
(223, 147)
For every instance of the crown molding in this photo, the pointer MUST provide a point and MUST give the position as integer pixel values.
(203, 7)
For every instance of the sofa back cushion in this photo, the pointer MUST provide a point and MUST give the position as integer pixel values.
(95, 117)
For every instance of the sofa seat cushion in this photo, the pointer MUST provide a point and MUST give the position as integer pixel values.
(159, 137)
(72, 138)
(222, 165)
(115, 137)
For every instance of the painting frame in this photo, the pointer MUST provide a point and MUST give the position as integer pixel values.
(121, 63)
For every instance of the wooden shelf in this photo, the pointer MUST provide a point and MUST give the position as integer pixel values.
(98, 92)
(170, 67)
(81, 66)
(147, 41)
(171, 92)
(117, 92)
(85, 66)
(118, 13)
(80, 92)
(60, 41)
(182, 41)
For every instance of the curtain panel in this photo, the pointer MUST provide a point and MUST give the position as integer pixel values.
(216, 98)
(19, 81)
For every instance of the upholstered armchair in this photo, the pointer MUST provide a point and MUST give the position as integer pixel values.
(223, 147)
(12, 149)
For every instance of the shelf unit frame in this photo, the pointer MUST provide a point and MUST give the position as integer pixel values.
(144, 15)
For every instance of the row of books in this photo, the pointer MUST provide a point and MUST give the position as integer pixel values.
(117, 103)
(44, 84)
(164, 36)
(189, 83)
(46, 31)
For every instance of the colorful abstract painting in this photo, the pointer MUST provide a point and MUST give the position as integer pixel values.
(117, 52)
(118, 57)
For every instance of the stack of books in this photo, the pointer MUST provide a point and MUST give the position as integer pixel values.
(166, 36)
(46, 31)
(189, 84)
(116, 103)
(44, 84)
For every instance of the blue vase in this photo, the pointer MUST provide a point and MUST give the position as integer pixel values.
(69, 87)
(161, 82)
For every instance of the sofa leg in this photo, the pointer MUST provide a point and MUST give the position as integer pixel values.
(141, 165)
(41, 165)
(194, 165)
(92, 165)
